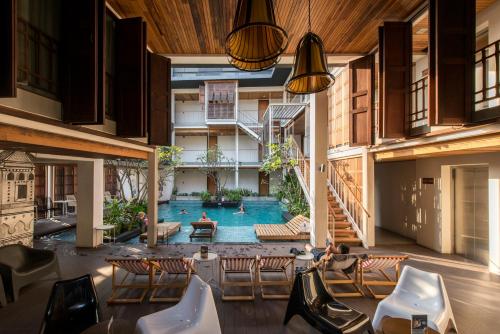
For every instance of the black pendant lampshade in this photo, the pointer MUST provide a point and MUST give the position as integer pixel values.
(256, 42)
(310, 72)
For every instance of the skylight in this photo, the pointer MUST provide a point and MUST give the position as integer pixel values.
(217, 73)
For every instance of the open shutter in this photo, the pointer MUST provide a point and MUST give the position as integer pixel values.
(453, 26)
(395, 69)
(8, 31)
(360, 101)
(159, 118)
(82, 61)
(130, 83)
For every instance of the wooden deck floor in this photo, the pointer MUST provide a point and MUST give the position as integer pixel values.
(474, 293)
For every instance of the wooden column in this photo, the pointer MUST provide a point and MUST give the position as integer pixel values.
(368, 197)
(90, 199)
(152, 198)
(319, 147)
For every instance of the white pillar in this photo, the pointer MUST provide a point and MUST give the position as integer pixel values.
(152, 198)
(319, 146)
(237, 155)
(90, 199)
(368, 223)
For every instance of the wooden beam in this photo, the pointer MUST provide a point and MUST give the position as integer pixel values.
(12, 136)
(481, 144)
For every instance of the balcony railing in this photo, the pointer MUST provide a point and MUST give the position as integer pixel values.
(245, 156)
(189, 118)
(487, 77)
(419, 103)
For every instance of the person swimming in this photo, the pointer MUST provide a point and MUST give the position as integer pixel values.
(241, 211)
(183, 212)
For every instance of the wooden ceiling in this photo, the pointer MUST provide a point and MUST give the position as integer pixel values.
(193, 27)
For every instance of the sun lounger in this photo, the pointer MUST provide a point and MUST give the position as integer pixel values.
(170, 269)
(136, 267)
(296, 229)
(165, 230)
(337, 270)
(237, 266)
(380, 264)
(270, 266)
(203, 230)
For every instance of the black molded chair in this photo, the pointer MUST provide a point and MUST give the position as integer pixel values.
(311, 301)
(73, 307)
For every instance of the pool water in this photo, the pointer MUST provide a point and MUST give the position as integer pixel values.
(231, 227)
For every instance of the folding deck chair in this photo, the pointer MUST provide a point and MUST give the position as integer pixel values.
(231, 266)
(380, 264)
(281, 265)
(336, 270)
(170, 269)
(130, 266)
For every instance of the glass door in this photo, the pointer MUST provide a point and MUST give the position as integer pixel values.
(471, 212)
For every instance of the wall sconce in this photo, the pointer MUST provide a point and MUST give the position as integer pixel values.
(322, 168)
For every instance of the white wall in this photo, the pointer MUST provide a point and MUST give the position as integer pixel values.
(193, 147)
(395, 186)
(228, 146)
(229, 178)
(249, 179)
(189, 113)
(489, 17)
(248, 149)
(188, 181)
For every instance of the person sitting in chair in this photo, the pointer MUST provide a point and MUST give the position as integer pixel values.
(330, 249)
(204, 217)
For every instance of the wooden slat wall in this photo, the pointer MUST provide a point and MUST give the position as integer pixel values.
(160, 122)
(454, 26)
(351, 170)
(82, 61)
(395, 69)
(360, 101)
(338, 107)
(130, 83)
(8, 33)
(263, 184)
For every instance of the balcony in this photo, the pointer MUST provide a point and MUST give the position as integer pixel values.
(246, 157)
(419, 106)
(190, 119)
(487, 79)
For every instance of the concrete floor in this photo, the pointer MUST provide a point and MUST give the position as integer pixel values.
(54, 224)
(474, 293)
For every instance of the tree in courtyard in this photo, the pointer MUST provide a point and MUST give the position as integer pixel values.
(217, 167)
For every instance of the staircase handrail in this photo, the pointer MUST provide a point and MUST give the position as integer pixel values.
(342, 179)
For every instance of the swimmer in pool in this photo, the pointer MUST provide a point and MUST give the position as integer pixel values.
(241, 211)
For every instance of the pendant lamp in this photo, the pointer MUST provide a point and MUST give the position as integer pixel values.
(310, 71)
(256, 42)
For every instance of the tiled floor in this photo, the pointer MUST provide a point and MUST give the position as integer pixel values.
(474, 293)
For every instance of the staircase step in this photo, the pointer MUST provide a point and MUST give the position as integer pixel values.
(344, 224)
(345, 232)
(348, 240)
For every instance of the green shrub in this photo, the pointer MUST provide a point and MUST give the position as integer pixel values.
(291, 193)
(232, 195)
(205, 196)
(195, 193)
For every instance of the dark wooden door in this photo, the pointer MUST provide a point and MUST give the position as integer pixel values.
(360, 101)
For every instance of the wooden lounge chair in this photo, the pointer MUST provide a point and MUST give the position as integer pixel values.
(170, 269)
(282, 265)
(380, 263)
(230, 266)
(165, 230)
(336, 270)
(130, 266)
(292, 230)
(203, 230)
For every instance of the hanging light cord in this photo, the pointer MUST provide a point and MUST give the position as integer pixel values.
(309, 16)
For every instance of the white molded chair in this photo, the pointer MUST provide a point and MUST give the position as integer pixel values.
(418, 292)
(194, 314)
(71, 202)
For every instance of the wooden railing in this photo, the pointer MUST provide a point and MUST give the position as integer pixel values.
(419, 103)
(349, 194)
(487, 75)
(303, 163)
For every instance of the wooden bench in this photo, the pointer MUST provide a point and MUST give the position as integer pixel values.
(203, 230)
(165, 230)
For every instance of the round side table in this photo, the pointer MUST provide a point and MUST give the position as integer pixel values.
(307, 258)
(208, 262)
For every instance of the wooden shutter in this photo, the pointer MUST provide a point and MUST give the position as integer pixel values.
(82, 61)
(453, 26)
(130, 83)
(395, 69)
(8, 32)
(360, 101)
(160, 128)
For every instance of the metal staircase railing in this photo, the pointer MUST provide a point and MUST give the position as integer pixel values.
(250, 125)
